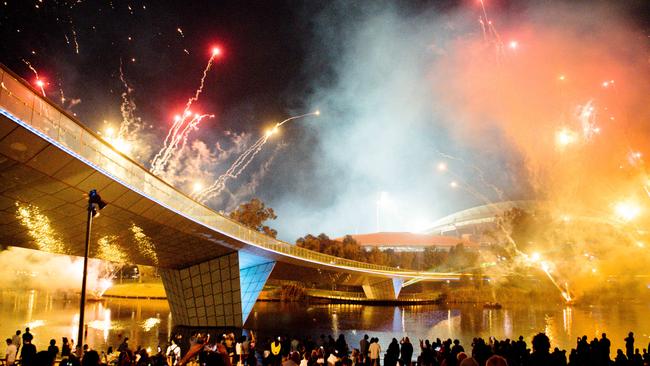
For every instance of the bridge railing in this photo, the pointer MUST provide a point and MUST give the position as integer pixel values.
(44, 118)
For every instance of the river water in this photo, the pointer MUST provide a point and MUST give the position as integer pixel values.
(148, 322)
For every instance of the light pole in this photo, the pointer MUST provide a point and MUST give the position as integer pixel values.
(95, 204)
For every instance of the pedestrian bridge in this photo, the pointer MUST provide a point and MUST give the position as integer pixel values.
(213, 268)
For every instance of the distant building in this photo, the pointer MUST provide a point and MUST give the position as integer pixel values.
(409, 242)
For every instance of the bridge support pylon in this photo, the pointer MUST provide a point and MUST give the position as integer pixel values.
(383, 289)
(220, 292)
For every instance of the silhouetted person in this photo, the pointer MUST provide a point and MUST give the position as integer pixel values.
(91, 358)
(456, 349)
(392, 353)
(637, 359)
(65, 348)
(44, 358)
(620, 359)
(406, 352)
(363, 348)
(341, 346)
(27, 336)
(541, 348)
(124, 345)
(53, 349)
(28, 354)
(629, 345)
(558, 357)
(605, 346)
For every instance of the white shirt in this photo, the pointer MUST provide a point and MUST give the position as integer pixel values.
(374, 350)
(332, 359)
(11, 354)
(176, 350)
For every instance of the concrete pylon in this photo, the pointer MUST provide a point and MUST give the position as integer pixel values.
(384, 289)
(220, 292)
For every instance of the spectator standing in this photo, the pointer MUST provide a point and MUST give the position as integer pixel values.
(27, 336)
(53, 350)
(629, 345)
(28, 354)
(363, 348)
(16, 340)
(173, 353)
(392, 353)
(65, 347)
(406, 352)
(11, 352)
(374, 350)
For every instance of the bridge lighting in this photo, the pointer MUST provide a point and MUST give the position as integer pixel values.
(317, 112)
(453, 184)
(122, 145)
(442, 166)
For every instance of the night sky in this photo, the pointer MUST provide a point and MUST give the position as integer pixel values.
(280, 58)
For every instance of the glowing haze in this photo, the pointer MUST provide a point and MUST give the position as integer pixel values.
(549, 103)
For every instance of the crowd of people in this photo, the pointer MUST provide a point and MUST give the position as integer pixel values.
(203, 350)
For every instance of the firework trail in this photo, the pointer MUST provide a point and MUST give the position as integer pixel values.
(127, 108)
(528, 259)
(233, 172)
(242, 162)
(587, 118)
(40, 83)
(490, 32)
(74, 37)
(183, 124)
(479, 171)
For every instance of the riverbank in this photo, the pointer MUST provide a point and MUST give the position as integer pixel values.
(150, 290)
(460, 295)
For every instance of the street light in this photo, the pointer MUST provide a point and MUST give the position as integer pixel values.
(95, 204)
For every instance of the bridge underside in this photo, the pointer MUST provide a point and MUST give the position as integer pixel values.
(43, 206)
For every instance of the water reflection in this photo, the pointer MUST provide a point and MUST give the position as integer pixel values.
(53, 315)
(149, 323)
(562, 324)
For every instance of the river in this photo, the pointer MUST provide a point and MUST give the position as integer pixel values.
(149, 323)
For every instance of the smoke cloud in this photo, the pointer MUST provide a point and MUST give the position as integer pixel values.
(33, 269)
(541, 102)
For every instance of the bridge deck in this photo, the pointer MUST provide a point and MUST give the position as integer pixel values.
(21, 104)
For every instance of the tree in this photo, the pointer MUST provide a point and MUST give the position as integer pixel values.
(253, 214)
